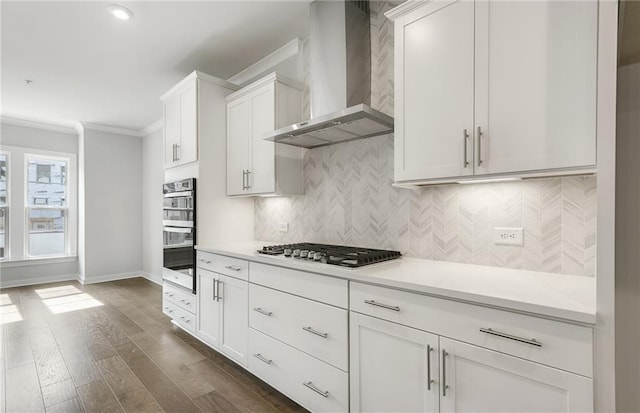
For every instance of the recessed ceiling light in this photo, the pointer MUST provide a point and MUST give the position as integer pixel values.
(120, 12)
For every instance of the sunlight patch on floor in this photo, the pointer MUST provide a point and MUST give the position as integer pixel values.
(57, 291)
(9, 313)
(5, 299)
(67, 303)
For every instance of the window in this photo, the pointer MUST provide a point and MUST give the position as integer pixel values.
(46, 206)
(4, 203)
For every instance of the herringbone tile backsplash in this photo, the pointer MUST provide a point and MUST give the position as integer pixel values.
(349, 199)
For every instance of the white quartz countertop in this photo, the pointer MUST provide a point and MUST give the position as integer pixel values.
(566, 297)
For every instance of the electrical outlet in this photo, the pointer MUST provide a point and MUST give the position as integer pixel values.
(284, 226)
(508, 236)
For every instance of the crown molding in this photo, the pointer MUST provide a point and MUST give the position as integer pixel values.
(290, 49)
(404, 8)
(39, 124)
(112, 129)
(149, 129)
(196, 74)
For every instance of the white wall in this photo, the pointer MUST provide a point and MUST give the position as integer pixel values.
(35, 138)
(627, 283)
(152, 180)
(110, 211)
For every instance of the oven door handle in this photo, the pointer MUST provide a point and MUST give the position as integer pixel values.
(179, 230)
(186, 194)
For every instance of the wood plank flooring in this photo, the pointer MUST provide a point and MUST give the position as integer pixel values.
(68, 347)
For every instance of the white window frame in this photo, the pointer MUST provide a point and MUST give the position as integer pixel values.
(70, 221)
(7, 208)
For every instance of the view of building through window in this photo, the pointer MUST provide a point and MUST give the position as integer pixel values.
(3, 203)
(46, 206)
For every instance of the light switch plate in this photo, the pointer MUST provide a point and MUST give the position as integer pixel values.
(284, 226)
(508, 236)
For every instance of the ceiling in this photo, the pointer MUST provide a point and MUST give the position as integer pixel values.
(88, 66)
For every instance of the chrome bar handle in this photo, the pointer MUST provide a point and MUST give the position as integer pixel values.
(480, 134)
(215, 290)
(316, 332)
(173, 153)
(261, 311)
(387, 306)
(219, 283)
(248, 184)
(466, 147)
(315, 389)
(261, 358)
(232, 268)
(205, 261)
(444, 372)
(530, 341)
(244, 180)
(177, 152)
(429, 380)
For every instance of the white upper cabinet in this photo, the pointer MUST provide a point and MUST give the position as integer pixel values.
(256, 166)
(494, 88)
(183, 106)
(434, 92)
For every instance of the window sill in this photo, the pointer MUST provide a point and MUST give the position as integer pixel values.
(37, 261)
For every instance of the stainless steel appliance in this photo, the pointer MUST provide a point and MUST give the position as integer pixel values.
(331, 254)
(179, 232)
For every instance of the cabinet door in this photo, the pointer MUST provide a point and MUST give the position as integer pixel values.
(262, 173)
(434, 91)
(208, 308)
(480, 380)
(234, 319)
(391, 367)
(188, 145)
(171, 129)
(238, 140)
(536, 85)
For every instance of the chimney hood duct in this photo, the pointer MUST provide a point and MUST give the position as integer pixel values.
(340, 77)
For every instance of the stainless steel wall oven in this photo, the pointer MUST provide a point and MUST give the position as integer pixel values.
(179, 232)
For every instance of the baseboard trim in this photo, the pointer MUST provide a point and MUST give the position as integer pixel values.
(153, 278)
(109, 277)
(38, 280)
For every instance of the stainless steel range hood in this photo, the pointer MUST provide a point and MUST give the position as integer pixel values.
(340, 79)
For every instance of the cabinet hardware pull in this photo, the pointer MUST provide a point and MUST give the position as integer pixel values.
(261, 311)
(445, 386)
(248, 185)
(215, 290)
(531, 341)
(429, 380)
(261, 358)
(205, 261)
(219, 283)
(480, 134)
(173, 153)
(387, 306)
(466, 147)
(244, 179)
(316, 332)
(177, 152)
(315, 389)
(232, 268)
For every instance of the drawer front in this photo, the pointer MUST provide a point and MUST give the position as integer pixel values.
(233, 267)
(181, 298)
(557, 344)
(184, 318)
(317, 329)
(314, 384)
(321, 288)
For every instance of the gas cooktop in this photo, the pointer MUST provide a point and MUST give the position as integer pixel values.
(331, 254)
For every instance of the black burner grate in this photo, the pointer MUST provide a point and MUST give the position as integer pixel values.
(332, 254)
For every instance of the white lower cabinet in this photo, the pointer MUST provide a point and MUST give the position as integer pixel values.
(480, 380)
(393, 368)
(223, 313)
(312, 383)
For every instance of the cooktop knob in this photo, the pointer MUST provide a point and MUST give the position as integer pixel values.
(304, 253)
(287, 252)
(296, 253)
(317, 256)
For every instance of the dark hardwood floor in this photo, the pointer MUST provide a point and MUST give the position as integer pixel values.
(68, 347)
